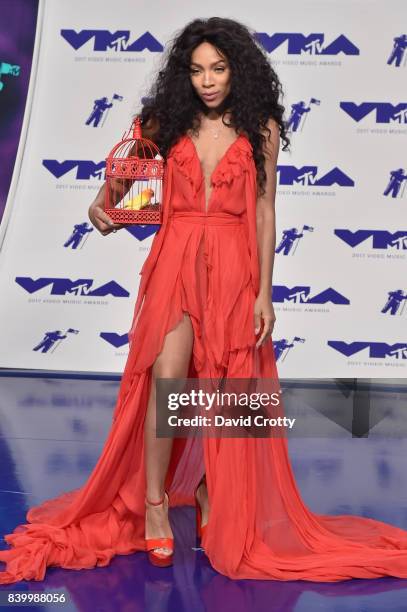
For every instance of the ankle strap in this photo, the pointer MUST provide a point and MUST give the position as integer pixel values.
(151, 503)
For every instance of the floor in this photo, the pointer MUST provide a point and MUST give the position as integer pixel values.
(349, 456)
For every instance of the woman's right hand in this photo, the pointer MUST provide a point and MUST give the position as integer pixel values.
(101, 220)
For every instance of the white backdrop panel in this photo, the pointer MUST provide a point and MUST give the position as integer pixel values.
(329, 289)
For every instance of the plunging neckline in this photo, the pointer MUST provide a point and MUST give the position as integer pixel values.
(222, 158)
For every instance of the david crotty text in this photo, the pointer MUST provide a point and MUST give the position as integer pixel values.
(258, 420)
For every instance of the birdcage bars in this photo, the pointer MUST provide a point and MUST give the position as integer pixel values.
(134, 177)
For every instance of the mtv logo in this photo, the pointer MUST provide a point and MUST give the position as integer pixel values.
(104, 40)
(301, 294)
(64, 286)
(116, 340)
(384, 112)
(381, 239)
(141, 232)
(376, 350)
(307, 175)
(85, 169)
(313, 44)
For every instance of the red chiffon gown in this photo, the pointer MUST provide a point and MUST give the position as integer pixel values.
(203, 261)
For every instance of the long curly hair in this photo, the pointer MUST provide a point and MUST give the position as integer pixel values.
(254, 95)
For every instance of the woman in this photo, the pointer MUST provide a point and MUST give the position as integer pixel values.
(204, 310)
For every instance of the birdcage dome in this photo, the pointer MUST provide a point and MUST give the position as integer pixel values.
(134, 175)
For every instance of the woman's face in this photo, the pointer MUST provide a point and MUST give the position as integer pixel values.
(210, 74)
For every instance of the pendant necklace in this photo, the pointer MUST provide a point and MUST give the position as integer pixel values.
(215, 132)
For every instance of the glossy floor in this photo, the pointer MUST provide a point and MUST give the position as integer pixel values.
(52, 431)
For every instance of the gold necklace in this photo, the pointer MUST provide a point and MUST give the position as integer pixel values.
(215, 132)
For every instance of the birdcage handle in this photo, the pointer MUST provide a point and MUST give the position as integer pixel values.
(135, 128)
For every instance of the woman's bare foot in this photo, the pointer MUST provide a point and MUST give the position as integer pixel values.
(157, 524)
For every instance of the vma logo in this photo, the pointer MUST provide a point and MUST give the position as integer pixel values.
(376, 350)
(141, 232)
(308, 175)
(116, 340)
(302, 295)
(384, 112)
(381, 239)
(312, 44)
(84, 169)
(120, 41)
(65, 286)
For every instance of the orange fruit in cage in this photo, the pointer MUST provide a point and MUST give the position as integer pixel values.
(134, 179)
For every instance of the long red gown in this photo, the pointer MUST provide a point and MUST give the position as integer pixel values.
(203, 262)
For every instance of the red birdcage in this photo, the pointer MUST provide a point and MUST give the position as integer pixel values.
(134, 179)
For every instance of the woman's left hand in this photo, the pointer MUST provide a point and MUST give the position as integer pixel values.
(263, 310)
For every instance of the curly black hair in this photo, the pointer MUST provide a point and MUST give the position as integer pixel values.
(253, 99)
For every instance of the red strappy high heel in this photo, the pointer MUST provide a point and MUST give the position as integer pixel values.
(157, 558)
(200, 529)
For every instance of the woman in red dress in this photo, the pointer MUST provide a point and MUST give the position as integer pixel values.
(204, 310)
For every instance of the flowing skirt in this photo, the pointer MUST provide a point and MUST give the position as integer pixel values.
(259, 527)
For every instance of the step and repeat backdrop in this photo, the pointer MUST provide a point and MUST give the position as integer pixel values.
(340, 283)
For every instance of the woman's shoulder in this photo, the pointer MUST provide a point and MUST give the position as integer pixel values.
(271, 130)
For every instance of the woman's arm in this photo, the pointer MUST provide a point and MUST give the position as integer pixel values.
(266, 234)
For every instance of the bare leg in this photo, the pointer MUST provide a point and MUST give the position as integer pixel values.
(172, 362)
(203, 500)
